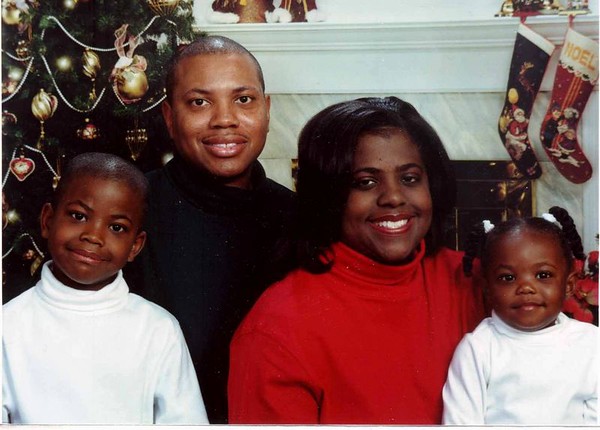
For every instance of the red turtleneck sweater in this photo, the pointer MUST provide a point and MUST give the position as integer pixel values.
(365, 343)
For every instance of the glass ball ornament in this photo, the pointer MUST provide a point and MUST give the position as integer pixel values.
(162, 7)
(43, 105)
(11, 14)
(70, 4)
(12, 216)
(88, 131)
(132, 83)
(91, 63)
(15, 73)
(64, 63)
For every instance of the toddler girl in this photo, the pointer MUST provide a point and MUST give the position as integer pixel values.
(528, 363)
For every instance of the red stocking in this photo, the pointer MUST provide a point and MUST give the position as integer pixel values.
(576, 74)
(530, 58)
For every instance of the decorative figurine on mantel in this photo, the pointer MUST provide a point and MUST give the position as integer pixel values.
(543, 7)
(245, 11)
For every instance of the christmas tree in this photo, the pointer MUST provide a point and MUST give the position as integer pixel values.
(77, 76)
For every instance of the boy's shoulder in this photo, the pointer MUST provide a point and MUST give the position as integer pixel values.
(19, 303)
(150, 311)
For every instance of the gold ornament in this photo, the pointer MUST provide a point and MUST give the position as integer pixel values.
(513, 96)
(162, 7)
(132, 83)
(11, 14)
(91, 63)
(91, 67)
(35, 258)
(22, 50)
(136, 140)
(43, 107)
(56, 178)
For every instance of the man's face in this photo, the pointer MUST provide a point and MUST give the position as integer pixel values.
(218, 116)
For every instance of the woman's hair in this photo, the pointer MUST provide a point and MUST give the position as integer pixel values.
(326, 148)
(480, 243)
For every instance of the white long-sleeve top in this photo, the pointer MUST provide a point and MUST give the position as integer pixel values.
(95, 357)
(500, 375)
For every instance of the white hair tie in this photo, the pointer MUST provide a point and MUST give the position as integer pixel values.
(550, 218)
(487, 226)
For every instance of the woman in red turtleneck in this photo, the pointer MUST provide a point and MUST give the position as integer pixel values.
(363, 332)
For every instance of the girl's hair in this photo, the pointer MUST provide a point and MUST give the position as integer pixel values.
(326, 149)
(479, 243)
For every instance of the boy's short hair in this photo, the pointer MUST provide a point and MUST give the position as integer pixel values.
(103, 166)
(208, 45)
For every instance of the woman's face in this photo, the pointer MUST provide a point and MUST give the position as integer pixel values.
(389, 206)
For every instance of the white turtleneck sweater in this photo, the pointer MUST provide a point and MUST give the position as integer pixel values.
(500, 375)
(95, 357)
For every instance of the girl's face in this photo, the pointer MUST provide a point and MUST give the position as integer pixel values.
(528, 279)
(389, 208)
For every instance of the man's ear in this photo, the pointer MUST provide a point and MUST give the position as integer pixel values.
(167, 113)
(268, 104)
(46, 219)
(137, 246)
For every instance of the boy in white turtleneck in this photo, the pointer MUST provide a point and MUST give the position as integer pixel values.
(78, 348)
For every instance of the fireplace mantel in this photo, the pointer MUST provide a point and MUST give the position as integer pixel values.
(421, 57)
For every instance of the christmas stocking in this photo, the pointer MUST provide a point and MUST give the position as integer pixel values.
(576, 75)
(530, 58)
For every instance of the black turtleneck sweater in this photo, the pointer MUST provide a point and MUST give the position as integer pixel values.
(208, 257)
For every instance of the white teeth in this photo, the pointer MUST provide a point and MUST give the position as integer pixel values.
(393, 224)
(225, 145)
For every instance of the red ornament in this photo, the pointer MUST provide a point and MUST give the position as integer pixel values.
(22, 167)
(89, 131)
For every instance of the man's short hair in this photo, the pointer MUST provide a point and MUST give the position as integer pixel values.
(208, 45)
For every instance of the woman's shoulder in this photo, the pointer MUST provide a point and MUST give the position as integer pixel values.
(447, 261)
(290, 301)
(294, 289)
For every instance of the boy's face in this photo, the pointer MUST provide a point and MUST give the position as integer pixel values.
(218, 116)
(528, 280)
(93, 231)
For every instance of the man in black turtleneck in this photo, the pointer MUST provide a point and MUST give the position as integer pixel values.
(214, 218)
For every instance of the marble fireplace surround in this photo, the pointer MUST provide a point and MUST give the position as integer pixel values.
(454, 73)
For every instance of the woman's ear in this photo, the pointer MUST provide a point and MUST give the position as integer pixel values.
(46, 219)
(137, 246)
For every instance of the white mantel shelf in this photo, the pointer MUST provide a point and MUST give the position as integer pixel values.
(453, 56)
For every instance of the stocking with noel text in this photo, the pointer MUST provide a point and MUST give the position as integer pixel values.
(530, 58)
(576, 75)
